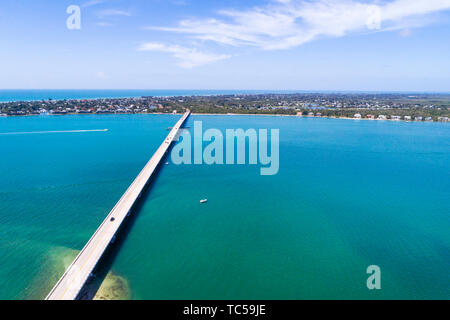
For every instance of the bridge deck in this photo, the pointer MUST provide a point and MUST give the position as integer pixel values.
(75, 277)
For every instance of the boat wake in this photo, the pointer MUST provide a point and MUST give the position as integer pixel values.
(48, 132)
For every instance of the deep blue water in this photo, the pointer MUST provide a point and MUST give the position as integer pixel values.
(32, 95)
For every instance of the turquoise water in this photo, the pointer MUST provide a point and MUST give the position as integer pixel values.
(349, 194)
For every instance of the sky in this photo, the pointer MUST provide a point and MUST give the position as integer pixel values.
(361, 45)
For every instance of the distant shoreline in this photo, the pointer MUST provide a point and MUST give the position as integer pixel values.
(225, 114)
(311, 117)
(357, 107)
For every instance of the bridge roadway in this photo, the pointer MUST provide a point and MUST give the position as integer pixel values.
(75, 277)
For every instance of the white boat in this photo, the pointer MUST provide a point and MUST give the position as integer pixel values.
(204, 201)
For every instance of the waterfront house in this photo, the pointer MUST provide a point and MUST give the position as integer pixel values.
(370, 116)
(396, 118)
(311, 114)
(407, 118)
(84, 111)
(428, 119)
(357, 116)
(3, 115)
(58, 112)
(382, 117)
(418, 118)
(443, 119)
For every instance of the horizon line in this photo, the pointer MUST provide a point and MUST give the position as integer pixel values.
(235, 90)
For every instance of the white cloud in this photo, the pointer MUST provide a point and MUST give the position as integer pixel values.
(405, 32)
(104, 24)
(101, 75)
(92, 3)
(113, 12)
(189, 57)
(285, 24)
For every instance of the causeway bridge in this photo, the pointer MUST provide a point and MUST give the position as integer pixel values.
(75, 277)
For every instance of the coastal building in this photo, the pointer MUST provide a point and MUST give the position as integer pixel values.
(357, 116)
(106, 111)
(3, 114)
(58, 112)
(311, 114)
(396, 118)
(407, 118)
(318, 114)
(174, 112)
(443, 119)
(418, 118)
(428, 119)
(382, 117)
(370, 116)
